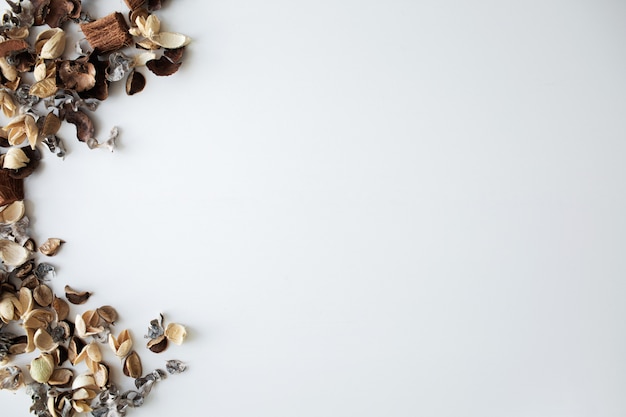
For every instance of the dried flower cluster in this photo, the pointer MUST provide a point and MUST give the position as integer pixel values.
(43, 84)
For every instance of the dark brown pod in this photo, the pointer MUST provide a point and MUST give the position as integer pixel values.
(76, 297)
(85, 129)
(135, 83)
(162, 66)
(158, 345)
(132, 365)
(174, 55)
(134, 4)
(34, 156)
(100, 90)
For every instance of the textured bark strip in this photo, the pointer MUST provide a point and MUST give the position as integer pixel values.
(107, 34)
(134, 4)
(11, 189)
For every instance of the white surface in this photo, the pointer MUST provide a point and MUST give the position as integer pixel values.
(360, 208)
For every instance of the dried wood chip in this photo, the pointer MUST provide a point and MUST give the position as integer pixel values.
(76, 297)
(134, 4)
(11, 189)
(108, 33)
(12, 46)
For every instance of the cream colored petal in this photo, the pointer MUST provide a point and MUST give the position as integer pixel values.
(170, 40)
(12, 253)
(15, 158)
(13, 212)
(54, 46)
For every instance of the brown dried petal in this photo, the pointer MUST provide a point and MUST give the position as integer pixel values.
(85, 129)
(76, 297)
(163, 66)
(61, 11)
(135, 83)
(132, 365)
(12, 46)
(51, 246)
(108, 314)
(157, 345)
(51, 125)
(61, 307)
(77, 75)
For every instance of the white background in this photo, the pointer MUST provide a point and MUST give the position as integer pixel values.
(364, 208)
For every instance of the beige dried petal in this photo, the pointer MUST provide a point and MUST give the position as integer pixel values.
(61, 307)
(93, 351)
(38, 318)
(84, 394)
(15, 158)
(26, 301)
(101, 375)
(7, 104)
(84, 381)
(13, 254)
(51, 246)
(13, 212)
(17, 32)
(41, 368)
(53, 43)
(176, 333)
(132, 365)
(7, 307)
(40, 71)
(61, 377)
(121, 345)
(44, 88)
(170, 40)
(80, 326)
(43, 295)
(43, 341)
(8, 70)
(82, 406)
(141, 59)
(31, 130)
(108, 314)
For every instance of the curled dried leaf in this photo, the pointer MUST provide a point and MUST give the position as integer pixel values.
(51, 246)
(132, 365)
(76, 297)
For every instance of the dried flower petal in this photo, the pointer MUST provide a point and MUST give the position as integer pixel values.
(51, 246)
(13, 212)
(12, 253)
(76, 297)
(176, 333)
(132, 365)
(41, 368)
(50, 43)
(121, 345)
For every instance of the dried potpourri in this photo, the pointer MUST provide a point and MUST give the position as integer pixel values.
(67, 86)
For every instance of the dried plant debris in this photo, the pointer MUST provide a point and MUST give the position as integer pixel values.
(46, 82)
(67, 374)
(42, 71)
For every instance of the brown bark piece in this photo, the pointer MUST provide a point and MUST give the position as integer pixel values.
(11, 189)
(134, 4)
(107, 34)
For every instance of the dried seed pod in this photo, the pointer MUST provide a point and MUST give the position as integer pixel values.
(11, 378)
(85, 129)
(43, 295)
(42, 367)
(26, 301)
(38, 318)
(19, 345)
(101, 375)
(50, 43)
(51, 246)
(76, 297)
(108, 314)
(132, 365)
(163, 66)
(176, 333)
(51, 125)
(121, 345)
(61, 307)
(61, 377)
(158, 345)
(13, 212)
(78, 75)
(135, 83)
(84, 381)
(43, 341)
(74, 347)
